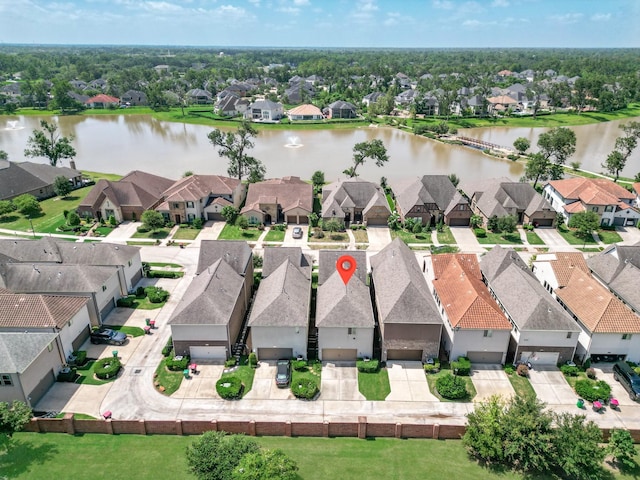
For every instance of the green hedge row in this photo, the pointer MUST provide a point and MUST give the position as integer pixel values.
(176, 365)
(164, 274)
(593, 390)
(107, 368)
(370, 366)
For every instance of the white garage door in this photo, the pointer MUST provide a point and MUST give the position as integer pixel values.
(540, 358)
(208, 353)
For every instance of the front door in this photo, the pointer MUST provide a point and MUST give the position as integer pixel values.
(178, 219)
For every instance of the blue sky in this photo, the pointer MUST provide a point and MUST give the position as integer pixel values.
(324, 23)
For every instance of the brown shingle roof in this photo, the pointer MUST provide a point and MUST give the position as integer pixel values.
(286, 192)
(566, 263)
(32, 310)
(195, 187)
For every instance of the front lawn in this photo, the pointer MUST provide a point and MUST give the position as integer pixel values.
(104, 231)
(232, 232)
(408, 237)
(360, 236)
(445, 370)
(312, 372)
(521, 385)
(533, 238)
(186, 233)
(330, 237)
(609, 236)
(154, 234)
(274, 236)
(170, 381)
(569, 234)
(500, 238)
(245, 373)
(374, 386)
(133, 331)
(445, 237)
(163, 264)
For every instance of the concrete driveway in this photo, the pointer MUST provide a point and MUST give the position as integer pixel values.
(490, 380)
(75, 398)
(466, 240)
(289, 241)
(210, 231)
(617, 390)
(630, 235)
(408, 382)
(551, 387)
(339, 382)
(264, 384)
(201, 384)
(379, 237)
(553, 239)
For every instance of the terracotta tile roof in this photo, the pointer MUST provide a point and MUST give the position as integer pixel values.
(468, 262)
(575, 207)
(39, 311)
(596, 308)
(592, 191)
(465, 298)
(566, 263)
(502, 99)
(306, 109)
(636, 188)
(103, 98)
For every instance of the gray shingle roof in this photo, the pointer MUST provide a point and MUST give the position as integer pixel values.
(42, 250)
(494, 195)
(47, 173)
(327, 264)
(210, 298)
(351, 193)
(401, 291)
(236, 253)
(282, 299)
(608, 264)
(18, 350)
(44, 278)
(340, 305)
(435, 189)
(494, 262)
(274, 256)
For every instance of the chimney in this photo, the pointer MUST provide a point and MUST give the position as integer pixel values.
(72, 164)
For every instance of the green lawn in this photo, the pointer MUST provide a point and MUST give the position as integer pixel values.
(100, 175)
(313, 371)
(521, 385)
(408, 237)
(374, 386)
(499, 238)
(533, 238)
(274, 236)
(329, 237)
(155, 234)
(162, 264)
(166, 378)
(443, 249)
(77, 416)
(444, 370)
(445, 237)
(609, 236)
(186, 233)
(232, 232)
(570, 236)
(392, 204)
(133, 331)
(360, 236)
(245, 373)
(143, 303)
(86, 376)
(104, 231)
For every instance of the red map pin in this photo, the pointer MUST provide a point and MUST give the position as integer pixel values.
(346, 265)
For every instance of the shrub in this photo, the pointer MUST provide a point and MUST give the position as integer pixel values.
(253, 359)
(300, 365)
(462, 366)
(417, 228)
(432, 367)
(126, 302)
(451, 387)
(197, 223)
(156, 294)
(67, 376)
(569, 371)
(317, 233)
(508, 369)
(522, 370)
(142, 229)
(229, 387)
(587, 363)
(637, 370)
(370, 366)
(305, 388)
(166, 350)
(230, 363)
(591, 390)
(164, 274)
(112, 221)
(106, 368)
(140, 292)
(176, 363)
(480, 232)
(81, 357)
(591, 373)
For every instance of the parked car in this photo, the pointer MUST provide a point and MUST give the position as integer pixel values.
(106, 335)
(297, 232)
(629, 379)
(283, 373)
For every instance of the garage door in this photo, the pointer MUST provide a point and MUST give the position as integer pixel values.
(214, 216)
(545, 222)
(208, 352)
(404, 354)
(107, 308)
(43, 385)
(274, 353)
(339, 354)
(540, 358)
(80, 339)
(459, 222)
(378, 221)
(485, 357)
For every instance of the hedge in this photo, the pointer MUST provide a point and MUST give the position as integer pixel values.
(451, 387)
(305, 388)
(462, 366)
(569, 370)
(480, 232)
(164, 274)
(166, 350)
(81, 357)
(107, 368)
(300, 365)
(229, 387)
(593, 390)
(176, 365)
(432, 367)
(156, 294)
(370, 366)
(126, 302)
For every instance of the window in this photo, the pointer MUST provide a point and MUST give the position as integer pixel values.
(488, 333)
(594, 209)
(608, 208)
(189, 204)
(569, 334)
(626, 336)
(104, 288)
(190, 217)
(462, 207)
(351, 331)
(176, 205)
(5, 380)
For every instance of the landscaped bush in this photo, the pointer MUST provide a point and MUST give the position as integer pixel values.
(68, 376)
(523, 370)
(300, 365)
(229, 387)
(140, 292)
(508, 369)
(462, 366)
(166, 350)
(142, 229)
(164, 274)
(197, 223)
(126, 302)
(451, 387)
(253, 360)
(317, 233)
(156, 294)
(370, 366)
(591, 373)
(230, 363)
(81, 357)
(177, 364)
(107, 368)
(432, 367)
(569, 370)
(480, 232)
(278, 227)
(305, 388)
(591, 390)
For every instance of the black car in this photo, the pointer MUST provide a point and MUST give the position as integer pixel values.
(106, 335)
(629, 379)
(283, 373)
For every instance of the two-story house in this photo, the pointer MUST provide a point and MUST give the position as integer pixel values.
(277, 200)
(354, 200)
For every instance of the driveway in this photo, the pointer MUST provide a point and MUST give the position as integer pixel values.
(123, 232)
(289, 241)
(339, 382)
(490, 380)
(551, 387)
(604, 372)
(466, 240)
(210, 231)
(75, 398)
(201, 384)
(630, 235)
(379, 237)
(553, 239)
(408, 382)
(264, 384)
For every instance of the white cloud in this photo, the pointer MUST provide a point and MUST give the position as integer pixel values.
(163, 7)
(289, 10)
(567, 18)
(301, 3)
(601, 17)
(364, 11)
(231, 10)
(471, 23)
(442, 4)
(500, 3)
(255, 2)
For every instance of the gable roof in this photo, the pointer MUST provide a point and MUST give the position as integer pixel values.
(352, 193)
(340, 305)
(565, 264)
(18, 351)
(494, 196)
(288, 192)
(274, 256)
(591, 191)
(102, 98)
(18, 178)
(401, 292)
(619, 268)
(496, 261)
(327, 260)
(305, 109)
(236, 253)
(429, 189)
(38, 311)
(282, 299)
(47, 173)
(45, 278)
(195, 187)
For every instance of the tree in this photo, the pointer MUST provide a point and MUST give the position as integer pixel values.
(475, 221)
(27, 205)
(242, 222)
(537, 168)
(215, 455)
(266, 465)
(152, 220)
(557, 145)
(229, 213)
(373, 149)
(333, 225)
(13, 417)
(257, 174)
(6, 206)
(4, 155)
(233, 146)
(614, 163)
(61, 186)
(485, 430)
(585, 223)
(317, 179)
(48, 143)
(576, 450)
(453, 178)
(492, 223)
(507, 224)
(621, 448)
(394, 221)
(623, 148)
(73, 219)
(188, 173)
(521, 144)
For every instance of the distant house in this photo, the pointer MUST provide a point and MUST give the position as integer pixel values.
(340, 109)
(474, 325)
(542, 333)
(264, 111)
(134, 98)
(102, 100)
(613, 204)
(124, 199)
(36, 179)
(305, 112)
(298, 93)
(503, 196)
(354, 200)
(410, 325)
(501, 103)
(227, 105)
(287, 199)
(430, 199)
(372, 98)
(200, 196)
(197, 96)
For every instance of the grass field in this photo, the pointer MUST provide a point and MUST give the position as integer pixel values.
(166, 378)
(445, 237)
(609, 236)
(274, 236)
(572, 239)
(232, 232)
(533, 238)
(360, 236)
(408, 237)
(155, 234)
(245, 373)
(86, 375)
(521, 385)
(186, 233)
(374, 386)
(500, 239)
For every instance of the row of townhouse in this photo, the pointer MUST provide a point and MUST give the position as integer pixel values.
(51, 294)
